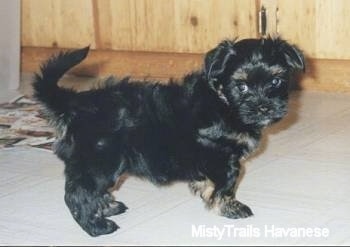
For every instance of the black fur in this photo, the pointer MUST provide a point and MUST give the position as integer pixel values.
(195, 131)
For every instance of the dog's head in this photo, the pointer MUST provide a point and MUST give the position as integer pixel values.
(252, 77)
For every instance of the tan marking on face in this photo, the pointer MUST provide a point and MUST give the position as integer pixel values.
(240, 75)
(277, 70)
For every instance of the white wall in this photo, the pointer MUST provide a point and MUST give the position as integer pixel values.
(9, 44)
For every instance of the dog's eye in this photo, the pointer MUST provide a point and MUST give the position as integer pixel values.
(276, 82)
(243, 88)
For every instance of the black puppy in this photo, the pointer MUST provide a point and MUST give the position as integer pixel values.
(196, 131)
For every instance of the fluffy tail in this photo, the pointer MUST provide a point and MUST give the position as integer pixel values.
(45, 86)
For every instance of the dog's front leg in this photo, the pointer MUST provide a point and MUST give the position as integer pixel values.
(225, 202)
(218, 191)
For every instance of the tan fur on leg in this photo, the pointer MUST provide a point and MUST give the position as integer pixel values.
(204, 188)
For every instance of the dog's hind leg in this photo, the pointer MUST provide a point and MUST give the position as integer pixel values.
(89, 202)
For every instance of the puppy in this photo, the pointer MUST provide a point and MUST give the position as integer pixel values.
(195, 131)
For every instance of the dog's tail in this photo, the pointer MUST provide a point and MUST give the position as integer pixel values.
(54, 98)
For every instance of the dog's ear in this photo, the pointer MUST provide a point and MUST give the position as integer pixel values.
(293, 56)
(216, 60)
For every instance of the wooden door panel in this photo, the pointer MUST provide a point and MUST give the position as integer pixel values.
(52, 23)
(320, 27)
(192, 26)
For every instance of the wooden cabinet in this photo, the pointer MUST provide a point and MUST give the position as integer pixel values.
(192, 26)
(320, 27)
(173, 34)
(62, 23)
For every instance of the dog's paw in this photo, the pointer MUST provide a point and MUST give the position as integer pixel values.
(234, 209)
(100, 226)
(114, 208)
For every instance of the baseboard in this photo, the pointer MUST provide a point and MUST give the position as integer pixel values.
(8, 95)
(330, 75)
(321, 74)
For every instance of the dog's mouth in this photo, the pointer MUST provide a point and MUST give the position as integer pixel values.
(256, 117)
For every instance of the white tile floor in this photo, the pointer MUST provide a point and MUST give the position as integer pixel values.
(299, 179)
